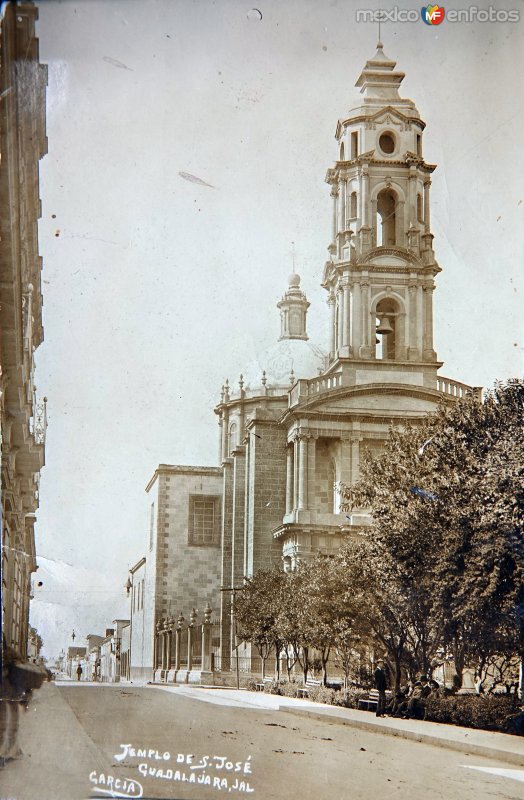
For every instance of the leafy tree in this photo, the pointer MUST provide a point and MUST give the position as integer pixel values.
(447, 500)
(333, 610)
(293, 621)
(257, 610)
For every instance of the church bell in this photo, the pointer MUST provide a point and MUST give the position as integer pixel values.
(384, 327)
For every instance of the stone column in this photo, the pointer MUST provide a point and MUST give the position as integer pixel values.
(155, 648)
(365, 313)
(178, 634)
(206, 647)
(427, 219)
(334, 231)
(357, 319)
(225, 434)
(365, 196)
(341, 205)
(428, 322)
(295, 472)
(375, 222)
(412, 316)
(168, 650)
(355, 440)
(400, 224)
(345, 459)
(289, 479)
(332, 343)
(302, 473)
(412, 197)
(347, 320)
(311, 470)
(190, 633)
(341, 319)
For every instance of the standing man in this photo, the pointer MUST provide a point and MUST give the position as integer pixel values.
(78, 672)
(380, 684)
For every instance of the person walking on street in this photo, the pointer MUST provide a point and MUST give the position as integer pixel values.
(380, 685)
(78, 672)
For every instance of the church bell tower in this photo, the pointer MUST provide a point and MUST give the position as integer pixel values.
(381, 270)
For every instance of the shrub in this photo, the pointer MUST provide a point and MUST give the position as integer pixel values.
(322, 694)
(289, 689)
(251, 685)
(349, 698)
(489, 712)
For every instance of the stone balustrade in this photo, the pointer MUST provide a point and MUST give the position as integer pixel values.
(314, 387)
(457, 389)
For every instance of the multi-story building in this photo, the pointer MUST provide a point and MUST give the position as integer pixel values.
(23, 142)
(299, 422)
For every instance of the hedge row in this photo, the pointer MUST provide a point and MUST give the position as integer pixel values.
(488, 712)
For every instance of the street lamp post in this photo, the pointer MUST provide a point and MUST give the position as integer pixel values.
(234, 590)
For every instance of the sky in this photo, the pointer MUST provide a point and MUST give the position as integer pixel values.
(157, 288)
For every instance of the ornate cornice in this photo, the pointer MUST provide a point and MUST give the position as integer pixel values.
(397, 252)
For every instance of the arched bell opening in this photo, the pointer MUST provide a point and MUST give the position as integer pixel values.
(386, 218)
(387, 330)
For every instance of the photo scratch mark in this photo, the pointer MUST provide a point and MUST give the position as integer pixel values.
(116, 63)
(193, 179)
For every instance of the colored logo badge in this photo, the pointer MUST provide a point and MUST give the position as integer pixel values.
(433, 15)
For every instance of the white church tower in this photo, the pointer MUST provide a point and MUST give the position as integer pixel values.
(380, 276)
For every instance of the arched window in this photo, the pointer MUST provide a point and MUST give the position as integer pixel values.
(387, 315)
(386, 210)
(232, 437)
(420, 213)
(353, 205)
(342, 158)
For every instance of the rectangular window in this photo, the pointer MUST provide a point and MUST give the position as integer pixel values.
(354, 144)
(419, 144)
(204, 520)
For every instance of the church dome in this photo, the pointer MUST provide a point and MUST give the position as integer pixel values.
(285, 362)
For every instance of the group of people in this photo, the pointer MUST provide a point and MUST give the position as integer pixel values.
(409, 701)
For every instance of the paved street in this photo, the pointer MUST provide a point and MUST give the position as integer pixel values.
(73, 734)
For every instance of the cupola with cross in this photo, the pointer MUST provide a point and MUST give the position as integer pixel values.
(381, 269)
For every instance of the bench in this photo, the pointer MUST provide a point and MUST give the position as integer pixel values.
(303, 691)
(370, 702)
(260, 687)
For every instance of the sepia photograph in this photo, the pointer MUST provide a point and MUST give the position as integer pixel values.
(261, 400)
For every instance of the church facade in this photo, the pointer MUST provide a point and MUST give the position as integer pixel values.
(297, 426)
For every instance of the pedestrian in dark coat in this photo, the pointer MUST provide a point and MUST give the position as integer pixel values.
(380, 685)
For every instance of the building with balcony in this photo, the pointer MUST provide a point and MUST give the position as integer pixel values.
(23, 142)
(300, 420)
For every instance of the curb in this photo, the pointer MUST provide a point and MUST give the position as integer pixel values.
(425, 738)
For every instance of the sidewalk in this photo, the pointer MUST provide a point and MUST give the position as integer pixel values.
(57, 753)
(499, 746)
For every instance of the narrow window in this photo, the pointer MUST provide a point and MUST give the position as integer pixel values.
(353, 205)
(420, 215)
(342, 158)
(419, 144)
(354, 144)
